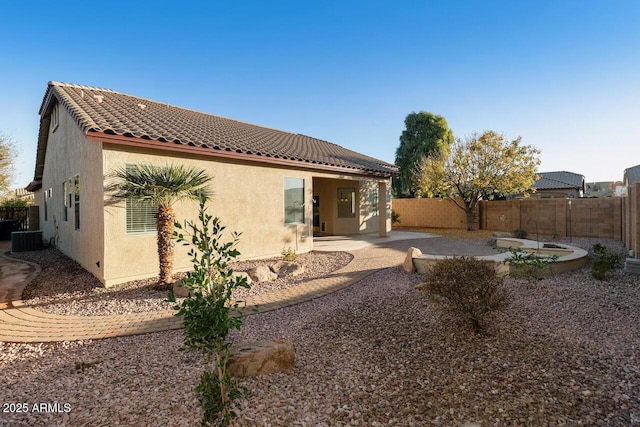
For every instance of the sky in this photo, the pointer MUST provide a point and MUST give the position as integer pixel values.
(563, 75)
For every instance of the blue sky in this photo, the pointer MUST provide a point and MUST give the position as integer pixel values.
(563, 75)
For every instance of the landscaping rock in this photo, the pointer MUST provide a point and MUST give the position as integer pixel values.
(180, 291)
(408, 261)
(287, 268)
(260, 358)
(262, 273)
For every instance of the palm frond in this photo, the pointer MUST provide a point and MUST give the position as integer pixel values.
(162, 185)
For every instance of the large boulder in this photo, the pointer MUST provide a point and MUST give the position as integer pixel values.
(287, 268)
(260, 358)
(408, 260)
(262, 273)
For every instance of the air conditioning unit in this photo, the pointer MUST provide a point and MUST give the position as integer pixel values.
(23, 241)
(632, 265)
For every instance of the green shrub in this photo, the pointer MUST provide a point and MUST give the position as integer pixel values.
(605, 262)
(528, 264)
(289, 254)
(520, 234)
(469, 287)
(395, 217)
(209, 312)
(16, 203)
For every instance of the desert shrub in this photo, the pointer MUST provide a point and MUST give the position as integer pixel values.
(469, 287)
(605, 262)
(289, 254)
(529, 265)
(520, 234)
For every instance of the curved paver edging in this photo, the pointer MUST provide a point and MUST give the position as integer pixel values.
(569, 257)
(13, 287)
(22, 323)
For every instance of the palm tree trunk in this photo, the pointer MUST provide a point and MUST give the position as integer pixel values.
(165, 220)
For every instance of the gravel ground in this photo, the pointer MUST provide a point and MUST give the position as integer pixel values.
(564, 352)
(64, 287)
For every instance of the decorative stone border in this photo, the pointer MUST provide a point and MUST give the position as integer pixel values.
(569, 257)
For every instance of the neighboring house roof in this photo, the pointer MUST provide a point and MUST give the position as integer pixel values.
(632, 175)
(107, 115)
(559, 180)
(23, 192)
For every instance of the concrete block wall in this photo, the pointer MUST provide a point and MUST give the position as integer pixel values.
(597, 217)
(432, 213)
(610, 218)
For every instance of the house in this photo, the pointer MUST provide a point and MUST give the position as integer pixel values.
(601, 189)
(631, 175)
(560, 184)
(277, 188)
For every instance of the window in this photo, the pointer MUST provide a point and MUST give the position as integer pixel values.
(294, 201)
(47, 197)
(66, 200)
(76, 192)
(346, 202)
(373, 202)
(55, 118)
(141, 215)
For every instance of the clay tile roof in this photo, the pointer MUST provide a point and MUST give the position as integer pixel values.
(559, 180)
(113, 113)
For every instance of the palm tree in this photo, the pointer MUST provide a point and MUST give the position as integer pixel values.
(163, 186)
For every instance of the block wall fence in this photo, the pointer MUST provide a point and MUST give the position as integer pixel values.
(432, 213)
(611, 218)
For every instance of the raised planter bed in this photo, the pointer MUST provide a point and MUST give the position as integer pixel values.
(569, 257)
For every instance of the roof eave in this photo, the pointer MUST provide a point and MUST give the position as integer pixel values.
(34, 186)
(170, 146)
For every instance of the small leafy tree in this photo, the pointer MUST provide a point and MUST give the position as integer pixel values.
(529, 265)
(209, 312)
(425, 134)
(482, 166)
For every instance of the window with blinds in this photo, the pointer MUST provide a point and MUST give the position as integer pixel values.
(141, 216)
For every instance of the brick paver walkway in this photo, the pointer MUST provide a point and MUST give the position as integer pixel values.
(21, 323)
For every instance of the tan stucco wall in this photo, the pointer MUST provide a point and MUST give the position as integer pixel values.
(248, 197)
(70, 154)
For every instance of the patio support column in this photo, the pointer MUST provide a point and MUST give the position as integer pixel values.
(382, 209)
